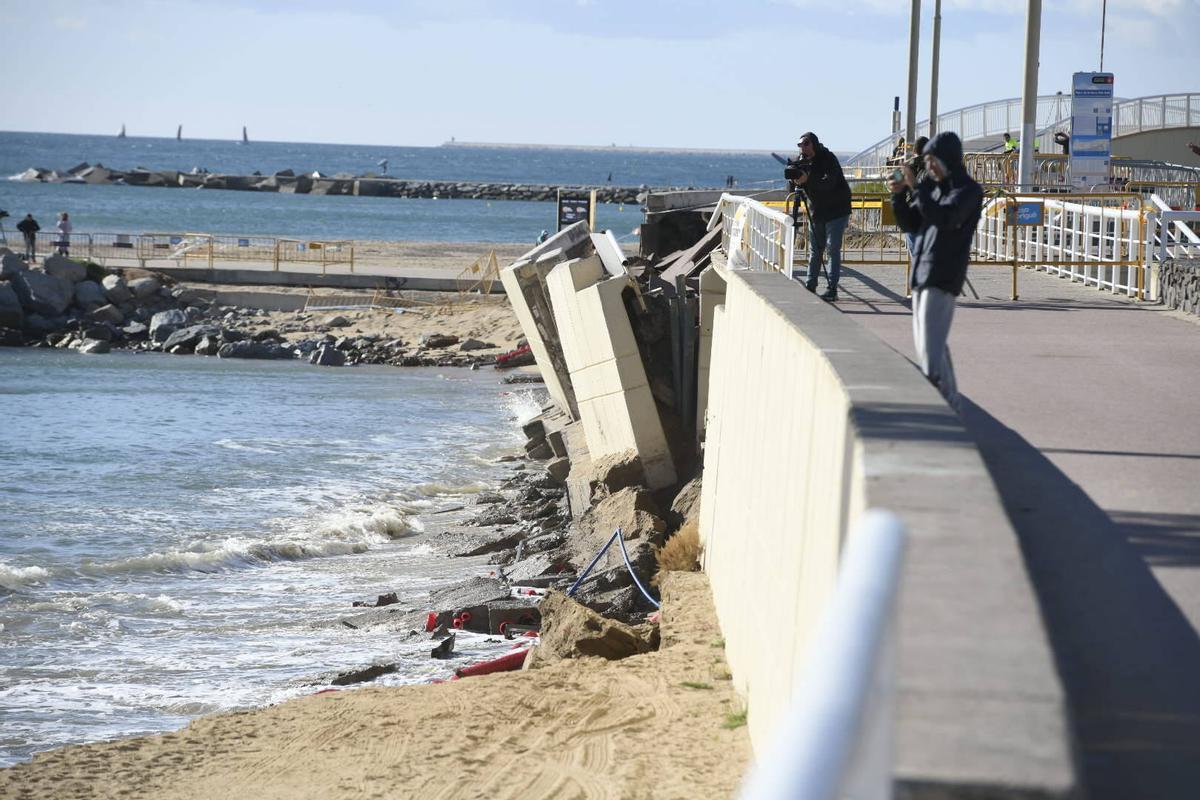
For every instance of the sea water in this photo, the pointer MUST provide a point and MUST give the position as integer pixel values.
(130, 209)
(182, 535)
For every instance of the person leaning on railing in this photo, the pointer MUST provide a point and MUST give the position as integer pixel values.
(942, 210)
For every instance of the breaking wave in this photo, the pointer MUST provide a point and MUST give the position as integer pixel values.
(14, 579)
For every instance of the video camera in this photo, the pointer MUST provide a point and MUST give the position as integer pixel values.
(796, 168)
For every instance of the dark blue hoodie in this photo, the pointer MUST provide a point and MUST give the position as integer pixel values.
(943, 215)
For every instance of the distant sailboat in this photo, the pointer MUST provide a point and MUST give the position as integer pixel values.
(121, 135)
(179, 134)
(245, 138)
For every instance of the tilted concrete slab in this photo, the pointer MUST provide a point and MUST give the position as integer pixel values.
(615, 403)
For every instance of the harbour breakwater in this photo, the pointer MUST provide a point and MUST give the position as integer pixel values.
(342, 183)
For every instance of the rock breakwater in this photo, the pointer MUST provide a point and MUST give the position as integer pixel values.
(366, 185)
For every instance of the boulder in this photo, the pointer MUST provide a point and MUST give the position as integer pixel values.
(437, 340)
(110, 314)
(144, 287)
(90, 295)
(43, 293)
(63, 267)
(325, 356)
(260, 350)
(10, 265)
(185, 340)
(98, 331)
(11, 314)
(38, 323)
(475, 344)
(635, 512)
(686, 504)
(337, 322)
(95, 346)
(10, 337)
(571, 630)
(134, 330)
(164, 323)
(115, 289)
(208, 346)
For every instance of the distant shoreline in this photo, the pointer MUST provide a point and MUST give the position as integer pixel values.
(607, 148)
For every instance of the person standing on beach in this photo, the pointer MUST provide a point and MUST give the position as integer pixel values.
(29, 228)
(64, 234)
(942, 209)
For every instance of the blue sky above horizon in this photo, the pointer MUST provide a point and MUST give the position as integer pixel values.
(672, 73)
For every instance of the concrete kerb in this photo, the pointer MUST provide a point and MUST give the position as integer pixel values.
(980, 707)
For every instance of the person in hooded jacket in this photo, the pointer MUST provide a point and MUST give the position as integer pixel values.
(942, 210)
(829, 206)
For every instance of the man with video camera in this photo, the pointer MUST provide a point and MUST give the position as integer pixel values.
(818, 175)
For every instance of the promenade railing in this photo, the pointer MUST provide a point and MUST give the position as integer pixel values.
(194, 249)
(836, 740)
(755, 236)
(1173, 231)
(1096, 239)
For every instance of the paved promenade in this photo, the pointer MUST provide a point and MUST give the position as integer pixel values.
(1086, 408)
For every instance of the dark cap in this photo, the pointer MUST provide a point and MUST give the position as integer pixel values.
(812, 137)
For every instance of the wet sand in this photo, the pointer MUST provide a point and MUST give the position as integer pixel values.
(659, 725)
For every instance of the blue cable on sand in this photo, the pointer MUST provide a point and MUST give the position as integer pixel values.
(624, 554)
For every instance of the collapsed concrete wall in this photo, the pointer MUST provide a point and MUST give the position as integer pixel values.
(615, 403)
(570, 296)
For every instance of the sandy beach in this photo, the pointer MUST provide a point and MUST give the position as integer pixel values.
(664, 724)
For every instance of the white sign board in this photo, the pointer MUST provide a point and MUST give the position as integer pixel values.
(1091, 130)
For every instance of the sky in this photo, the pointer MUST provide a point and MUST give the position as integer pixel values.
(738, 74)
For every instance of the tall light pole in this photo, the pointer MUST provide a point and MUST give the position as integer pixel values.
(1033, 35)
(914, 41)
(933, 76)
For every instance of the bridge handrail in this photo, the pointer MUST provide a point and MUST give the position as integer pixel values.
(754, 236)
(836, 740)
(1130, 115)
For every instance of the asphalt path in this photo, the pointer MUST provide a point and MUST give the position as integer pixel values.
(1086, 409)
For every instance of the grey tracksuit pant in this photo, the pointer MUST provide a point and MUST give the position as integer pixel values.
(933, 311)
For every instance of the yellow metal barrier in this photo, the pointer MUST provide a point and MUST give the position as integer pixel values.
(1097, 239)
(479, 276)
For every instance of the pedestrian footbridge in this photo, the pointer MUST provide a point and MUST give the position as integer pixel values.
(1149, 128)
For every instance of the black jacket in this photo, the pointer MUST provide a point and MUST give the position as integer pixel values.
(28, 226)
(828, 192)
(943, 216)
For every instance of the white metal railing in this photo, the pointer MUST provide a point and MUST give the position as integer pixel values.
(1155, 113)
(1099, 239)
(972, 122)
(753, 236)
(837, 739)
(1172, 235)
(994, 118)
